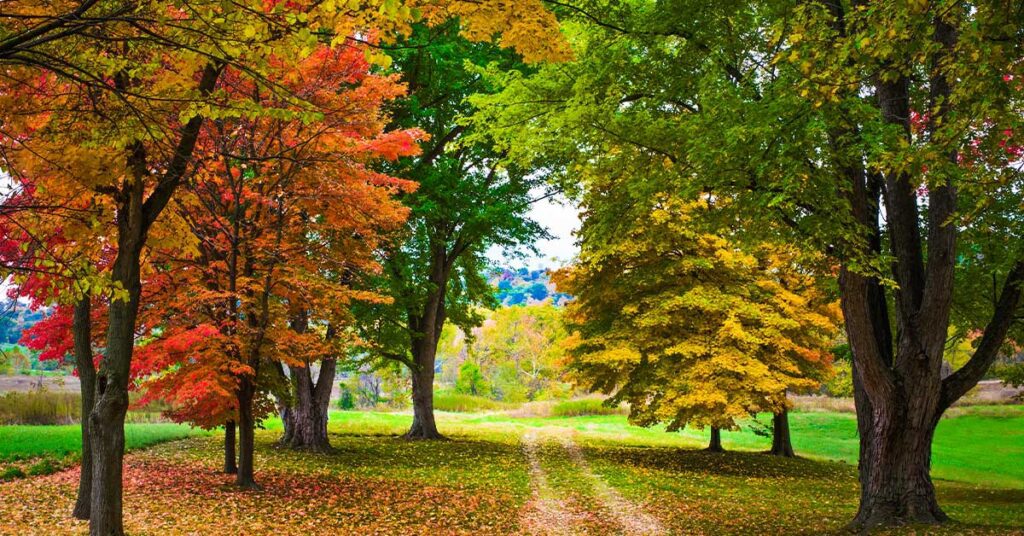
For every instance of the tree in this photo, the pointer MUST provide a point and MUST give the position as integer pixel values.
(466, 202)
(139, 92)
(521, 349)
(470, 381)
(284, 212)
(681, 324)
(811, 118)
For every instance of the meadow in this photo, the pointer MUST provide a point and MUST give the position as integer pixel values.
(500, 474)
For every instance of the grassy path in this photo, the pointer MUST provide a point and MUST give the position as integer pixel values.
(550, 514)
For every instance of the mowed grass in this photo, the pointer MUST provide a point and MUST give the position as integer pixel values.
(24, 442)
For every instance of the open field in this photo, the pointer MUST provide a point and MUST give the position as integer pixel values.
(526, 475)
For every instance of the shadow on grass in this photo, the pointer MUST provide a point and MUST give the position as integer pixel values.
(730, 463)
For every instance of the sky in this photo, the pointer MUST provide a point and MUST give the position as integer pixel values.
(561, 219)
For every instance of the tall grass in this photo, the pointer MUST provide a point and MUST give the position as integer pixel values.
(585, 406)
(460, 403)
(40, 407)
(43, 407)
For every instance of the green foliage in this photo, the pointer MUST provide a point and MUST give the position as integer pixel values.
(467, 201)
(46, 466)
(1011, 374)
(585, 406)
(471, 381)
(841, 383)
(347, 400)
(11, 473)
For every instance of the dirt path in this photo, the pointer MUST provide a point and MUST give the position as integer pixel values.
(546, 513)
(549, 514)
(629, 515)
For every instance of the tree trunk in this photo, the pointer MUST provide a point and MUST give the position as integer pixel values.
(307, 417)
(716, 440)
(106, 422)
(896, 486)
(782, 445)
(245, 477)
(423, 424)
(81, 327)
(230, 466)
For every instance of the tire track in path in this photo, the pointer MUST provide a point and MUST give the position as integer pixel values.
(630, 516)
(548, 513)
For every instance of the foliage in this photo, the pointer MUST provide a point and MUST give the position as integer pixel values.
(517, 352)
(347, 400)
(841, 382)
(682, 324)
(466, 202)
(470, 381)
(585, 406)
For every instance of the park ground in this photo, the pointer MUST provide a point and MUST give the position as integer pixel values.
(500, 474)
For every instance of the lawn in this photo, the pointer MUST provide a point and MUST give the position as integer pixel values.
(23, 442)
(503, 475)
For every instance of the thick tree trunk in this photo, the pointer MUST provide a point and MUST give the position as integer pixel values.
(230, 465)
(896, 486)
(716, 441)
(245, 476)
(423, 424)
(306, 427)
(782, 444)
(81, 327)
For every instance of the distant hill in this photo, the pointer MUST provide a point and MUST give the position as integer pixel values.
(522, 286)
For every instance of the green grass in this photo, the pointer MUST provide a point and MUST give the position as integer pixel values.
(25, 442)
(981, 445)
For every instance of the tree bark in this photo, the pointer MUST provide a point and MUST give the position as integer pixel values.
(307, 418)
(782, 444)
(81, 327)
(423, 424)
(245, 476)
(230, 465)
(716, 440)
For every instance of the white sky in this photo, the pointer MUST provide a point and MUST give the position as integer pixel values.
(561, 219)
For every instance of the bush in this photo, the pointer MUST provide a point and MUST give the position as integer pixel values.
(347, 400)
(11, 473)
(585, 406)
(462, 403)
(43, 467)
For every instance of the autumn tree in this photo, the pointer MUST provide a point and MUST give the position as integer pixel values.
(817, 119)
(682, 324)
(519, 349)
(285, 212)
(466, 202)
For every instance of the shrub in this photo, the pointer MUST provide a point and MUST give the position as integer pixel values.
(11, 473)
(462, 403)
(585, 406)
(347, 400)
(43, 467)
